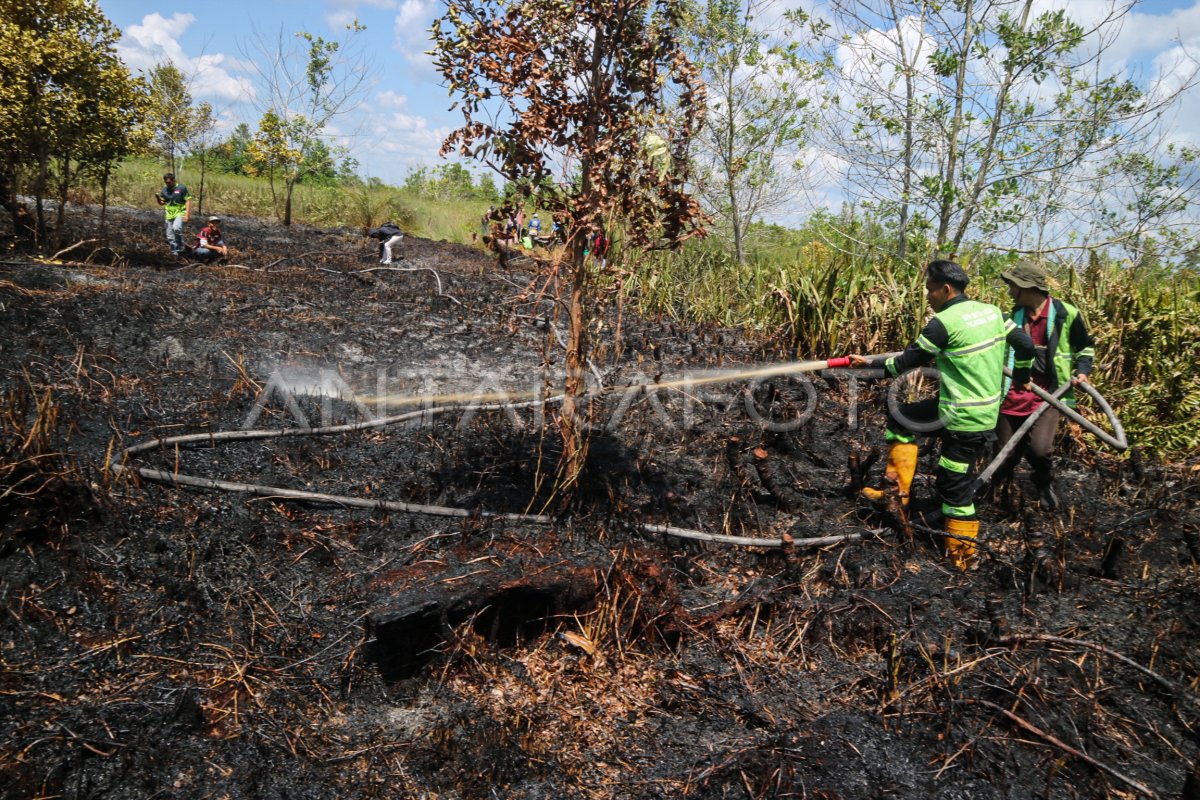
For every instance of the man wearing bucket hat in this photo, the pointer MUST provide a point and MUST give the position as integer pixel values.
(1063, 351)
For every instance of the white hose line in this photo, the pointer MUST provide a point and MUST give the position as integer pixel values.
(180, 479)
(1116, 440)
(747, 541)
(986, 476)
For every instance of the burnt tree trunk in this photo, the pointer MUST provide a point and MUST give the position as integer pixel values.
(507, 598)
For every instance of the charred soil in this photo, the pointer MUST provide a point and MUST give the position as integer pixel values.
(165, 641)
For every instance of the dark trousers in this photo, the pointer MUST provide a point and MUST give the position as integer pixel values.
(1037, 447)
(956, 463)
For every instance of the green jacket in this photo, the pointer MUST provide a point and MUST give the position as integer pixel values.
(967, 340)
(175, 199)
(1074, 358)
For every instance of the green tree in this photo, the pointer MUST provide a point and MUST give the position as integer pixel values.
(487, 188)
(271, 152)
(111, 129)
(65, 97)
(565, 96)
(230, 154)
(317, 167)
(305, 83)
(1149, 200)
(761, 89)
(176, 123)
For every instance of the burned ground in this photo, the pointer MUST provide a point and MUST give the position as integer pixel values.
(164, 642)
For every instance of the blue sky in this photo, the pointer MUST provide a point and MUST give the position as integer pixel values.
(405, 114)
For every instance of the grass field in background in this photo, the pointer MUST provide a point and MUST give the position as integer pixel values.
(357, 205)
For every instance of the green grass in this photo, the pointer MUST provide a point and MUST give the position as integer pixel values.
(355, 205)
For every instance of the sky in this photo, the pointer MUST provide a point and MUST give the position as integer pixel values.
(406, 113)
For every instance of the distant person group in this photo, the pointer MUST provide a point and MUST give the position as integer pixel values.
(209, 246)
(515, 233)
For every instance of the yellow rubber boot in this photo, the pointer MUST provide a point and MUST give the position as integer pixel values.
(901, 467)
(961, 550)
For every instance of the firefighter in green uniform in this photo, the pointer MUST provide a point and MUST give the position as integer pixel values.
(966, 339)
(1063, 353)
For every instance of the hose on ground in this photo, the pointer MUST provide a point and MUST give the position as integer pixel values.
(117, 464)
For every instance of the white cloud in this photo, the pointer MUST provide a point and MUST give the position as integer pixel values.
(412, 29)
(389, 145)
(150, 43)
(343, 12)
(1146, 34)
(390, 100)
(156, 41)
(410, 137)
(340, 19)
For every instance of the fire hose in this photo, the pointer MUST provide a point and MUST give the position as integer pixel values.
(1116, 440)
(116, 462)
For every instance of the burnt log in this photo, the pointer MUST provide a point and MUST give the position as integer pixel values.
(507, 597)
(746, 480)
(1113, 550)
(776, 481)
(860, 463)
(1192, 539)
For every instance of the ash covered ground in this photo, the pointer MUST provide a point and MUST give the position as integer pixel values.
(182, 642)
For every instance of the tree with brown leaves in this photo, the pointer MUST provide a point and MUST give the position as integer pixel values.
(578, 99)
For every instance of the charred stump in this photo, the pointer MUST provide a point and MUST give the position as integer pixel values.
(507, 597)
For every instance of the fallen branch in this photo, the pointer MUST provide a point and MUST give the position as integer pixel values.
(66, 250)
(1099, 648)
(1059, 743)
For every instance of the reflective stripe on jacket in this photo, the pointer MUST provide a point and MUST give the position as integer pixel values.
(1074, 358)
(966, 339)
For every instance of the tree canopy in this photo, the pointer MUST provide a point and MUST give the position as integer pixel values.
(66, 99)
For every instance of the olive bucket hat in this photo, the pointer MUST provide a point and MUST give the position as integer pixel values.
(1027, 275)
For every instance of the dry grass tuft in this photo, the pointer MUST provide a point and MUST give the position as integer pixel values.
(40, 488)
